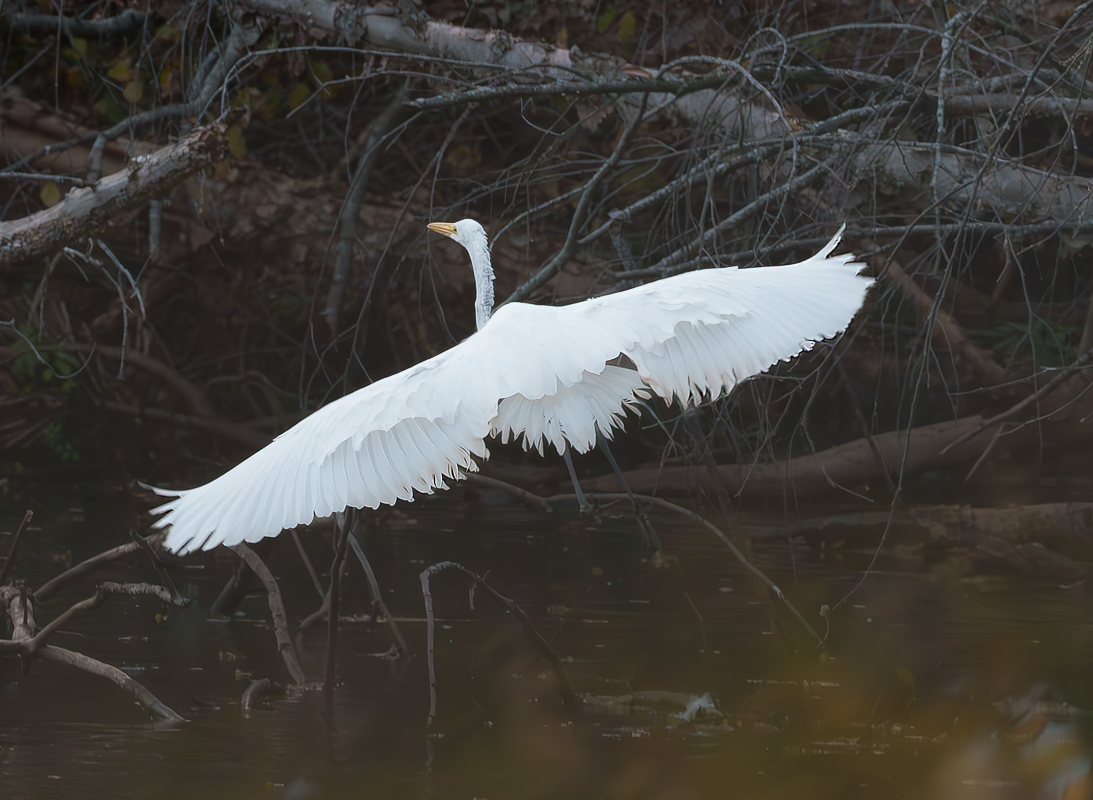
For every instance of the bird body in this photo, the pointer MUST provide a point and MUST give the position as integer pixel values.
(544, 374)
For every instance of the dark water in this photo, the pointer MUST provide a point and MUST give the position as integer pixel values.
(941, 679)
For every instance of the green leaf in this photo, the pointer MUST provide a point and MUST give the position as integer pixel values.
(603, 22)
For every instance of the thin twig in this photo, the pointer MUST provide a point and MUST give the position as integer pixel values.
(10, 560)
(341, 543)
(547, 271)
(86, 566)
(378, 603)
(757, 573)
(570, 699)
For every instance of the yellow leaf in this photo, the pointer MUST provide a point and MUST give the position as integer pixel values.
(626, 26)
(464, 160)
(237, 141)
(168, 33)
(80, 45)
(322, 76)
(50, 194)
(298, 95)
(165, 76)
(73, 79)
(120, 72)
(133, 91)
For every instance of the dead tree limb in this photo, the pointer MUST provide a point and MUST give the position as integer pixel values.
(277, 611)
(86, 211)
(193, 395)
(21, 612)
(145, 698)
(485, 482)
(837, 467)
(29, 646)
(570, 700)
(229, 430)
(390, 29)
(946, 329)
(121, 24)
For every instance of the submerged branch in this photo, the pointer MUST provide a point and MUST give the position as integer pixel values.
(277, 611)
(570, 699)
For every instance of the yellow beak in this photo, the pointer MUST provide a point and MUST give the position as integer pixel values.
(443, 228)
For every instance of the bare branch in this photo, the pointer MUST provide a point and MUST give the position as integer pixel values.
(277, 610)
(121, 24)
(84, 212)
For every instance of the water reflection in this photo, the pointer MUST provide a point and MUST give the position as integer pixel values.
(939, 680)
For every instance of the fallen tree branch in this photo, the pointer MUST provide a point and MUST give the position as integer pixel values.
(145, 698)
(21, 612)
(231, 430)
(83, 212)
(277, 611)
(392, 29)
(570, 700)
(30, 646)
(486, 482)
(193, 395)
(127, 21)
(841, 466)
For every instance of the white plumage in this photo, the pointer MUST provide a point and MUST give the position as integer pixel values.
(538, 373)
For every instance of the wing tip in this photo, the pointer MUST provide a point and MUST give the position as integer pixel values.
(829, 248)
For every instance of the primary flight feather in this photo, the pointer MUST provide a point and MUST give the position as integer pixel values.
(537, 373)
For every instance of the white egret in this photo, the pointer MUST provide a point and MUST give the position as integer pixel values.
(546, 374)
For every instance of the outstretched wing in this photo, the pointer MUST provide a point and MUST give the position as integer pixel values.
(372, 447)
(689, 335)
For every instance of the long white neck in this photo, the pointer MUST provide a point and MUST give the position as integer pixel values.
(483, 280)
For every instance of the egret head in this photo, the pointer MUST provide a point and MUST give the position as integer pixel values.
(467, 232)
